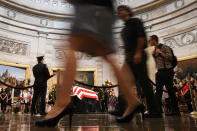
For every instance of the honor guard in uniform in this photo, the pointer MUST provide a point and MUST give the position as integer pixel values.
(41, 74)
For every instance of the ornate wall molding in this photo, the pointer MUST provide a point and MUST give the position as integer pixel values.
(167, 9)
(179, 3)
(166, 16)
(58, 25)
(46, 8)
(13, 47)
(61, 53)
(62, 9)
(183, 39)
(54, 3)
(138, 5)
(44, 22)
(11, 13)
(17, 18)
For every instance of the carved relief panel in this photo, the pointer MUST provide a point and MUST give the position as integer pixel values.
(61, 53)
(13, 47)
(184, 39)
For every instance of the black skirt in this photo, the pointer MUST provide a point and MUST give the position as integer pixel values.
(96, 21)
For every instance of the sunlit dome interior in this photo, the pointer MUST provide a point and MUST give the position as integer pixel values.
(34, 29)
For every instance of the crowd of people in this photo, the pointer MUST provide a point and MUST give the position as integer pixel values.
(186, 95)
(22, 102)
(184, 90)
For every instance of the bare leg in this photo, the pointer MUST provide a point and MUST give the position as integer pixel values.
(63, 92)
(7, 109)
(125, 78)
(126, 82)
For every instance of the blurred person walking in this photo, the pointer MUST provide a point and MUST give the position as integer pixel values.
(91, 34)
(135, 41)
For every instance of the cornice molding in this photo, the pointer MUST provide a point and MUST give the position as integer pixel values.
(60, 31)
(168, 16)
(151, 6)
(57, 15)
(31, 24)
(33, 11)
(175, 11)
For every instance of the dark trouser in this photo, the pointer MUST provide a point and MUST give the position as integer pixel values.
(141, 75)
(187, 97)
(189, 106)
(165, 77)
(3, 106)
(39, 92)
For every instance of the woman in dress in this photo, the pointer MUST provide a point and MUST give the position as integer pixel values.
(91, 33)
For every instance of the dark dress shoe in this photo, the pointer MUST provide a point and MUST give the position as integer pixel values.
(174, 113)
(116, 113)
(129, 117)
(43, 114)
(33, 113)
(153, 115)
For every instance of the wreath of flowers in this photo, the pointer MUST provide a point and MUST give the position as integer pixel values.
(107, 93)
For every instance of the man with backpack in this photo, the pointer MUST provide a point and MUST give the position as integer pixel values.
(165, 63)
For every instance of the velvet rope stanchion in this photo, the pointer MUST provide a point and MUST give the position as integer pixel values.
(81, 83)
(16, 87)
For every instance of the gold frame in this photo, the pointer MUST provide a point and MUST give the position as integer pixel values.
(92, 70)
(78, 70)
(26, 67)
(187, 57)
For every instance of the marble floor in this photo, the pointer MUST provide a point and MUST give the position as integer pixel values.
(100, 122)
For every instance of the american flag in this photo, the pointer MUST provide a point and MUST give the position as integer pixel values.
(184, 90)
(83, 92)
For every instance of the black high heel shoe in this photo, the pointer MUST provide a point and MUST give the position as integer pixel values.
(129, 117)
(52, 122)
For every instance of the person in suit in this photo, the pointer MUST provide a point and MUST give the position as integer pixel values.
(41, 74)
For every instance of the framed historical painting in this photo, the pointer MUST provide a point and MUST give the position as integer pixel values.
(14, 74)
(85, 75)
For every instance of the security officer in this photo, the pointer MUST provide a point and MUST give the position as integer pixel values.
(41, 74)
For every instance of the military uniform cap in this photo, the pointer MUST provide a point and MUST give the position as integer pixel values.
(39, 58)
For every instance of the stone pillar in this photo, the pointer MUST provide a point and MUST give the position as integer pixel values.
(42, 39)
